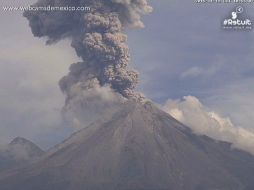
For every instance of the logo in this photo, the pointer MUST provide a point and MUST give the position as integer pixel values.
(237, 20)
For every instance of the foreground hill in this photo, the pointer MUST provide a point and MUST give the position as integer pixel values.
(18, 152)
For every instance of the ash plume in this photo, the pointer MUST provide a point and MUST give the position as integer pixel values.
(98, 38)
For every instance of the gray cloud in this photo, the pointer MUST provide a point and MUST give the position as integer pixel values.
(97, 38)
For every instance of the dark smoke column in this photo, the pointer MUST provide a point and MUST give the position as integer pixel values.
(98, 39)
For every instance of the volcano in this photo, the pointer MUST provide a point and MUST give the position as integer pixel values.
(138, 147)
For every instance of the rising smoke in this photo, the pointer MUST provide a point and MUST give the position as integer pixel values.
(98, 39)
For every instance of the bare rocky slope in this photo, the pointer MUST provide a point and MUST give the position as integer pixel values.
(139, 147)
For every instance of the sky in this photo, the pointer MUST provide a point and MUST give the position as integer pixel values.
(182, 51)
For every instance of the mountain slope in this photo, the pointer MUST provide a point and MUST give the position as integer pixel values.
(139, 148)
(18, 152)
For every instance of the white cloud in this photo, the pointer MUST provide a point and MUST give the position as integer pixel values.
(194, 114)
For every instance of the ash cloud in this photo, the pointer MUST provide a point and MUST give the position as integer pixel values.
(86, 105)
(195, 115)
(97, 36)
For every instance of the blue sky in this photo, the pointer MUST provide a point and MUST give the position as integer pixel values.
(182, 51)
